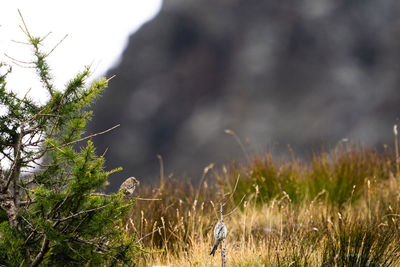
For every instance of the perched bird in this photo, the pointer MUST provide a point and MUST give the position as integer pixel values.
(220, 233)
(129, 186)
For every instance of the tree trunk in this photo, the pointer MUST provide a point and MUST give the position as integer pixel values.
(8, 205)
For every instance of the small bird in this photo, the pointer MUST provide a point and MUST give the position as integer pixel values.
(129, 186)
(220, 233)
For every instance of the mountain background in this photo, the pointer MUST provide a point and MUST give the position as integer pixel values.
(304, 73)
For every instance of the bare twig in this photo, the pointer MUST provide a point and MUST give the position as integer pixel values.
(62, 40)
(104, 153)
(396, 147)
(148, 234)
(90, 136)
(233, 191)
(58, 206)
(81, 212)
(234, 209)
(20, 42)
(160, 159)
(146, 199)
(205, 171)
(214, 209)
(25, 29)
(19, 61)
(230, 132)
(109, 79)
(99, 195)
(43, 250)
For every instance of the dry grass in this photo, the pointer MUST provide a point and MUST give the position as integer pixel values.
(342, 209)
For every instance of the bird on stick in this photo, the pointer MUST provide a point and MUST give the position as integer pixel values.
(220, 233)
(129, 186)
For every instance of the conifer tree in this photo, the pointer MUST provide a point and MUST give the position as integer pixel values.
(50, 176)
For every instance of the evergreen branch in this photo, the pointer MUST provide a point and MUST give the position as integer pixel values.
(39, 155)
(81, 212)
(39, 114)
(29, 224)
(30, 132)
(57, 207)
(79, 224)
(40, 63)
(29, 237)
(87, 242)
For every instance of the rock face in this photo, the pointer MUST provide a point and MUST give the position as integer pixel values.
(287, 72)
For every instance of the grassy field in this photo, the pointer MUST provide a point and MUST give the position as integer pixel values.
(339, 209)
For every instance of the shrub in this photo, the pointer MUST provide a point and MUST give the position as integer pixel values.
(48, 185)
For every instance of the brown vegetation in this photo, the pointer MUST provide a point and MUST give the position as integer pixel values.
(340, 209)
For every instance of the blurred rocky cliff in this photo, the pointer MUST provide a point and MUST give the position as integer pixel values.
(286, 72)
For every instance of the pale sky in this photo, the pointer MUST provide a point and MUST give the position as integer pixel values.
(97, 31)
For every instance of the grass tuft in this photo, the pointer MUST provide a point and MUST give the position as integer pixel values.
(339, 209)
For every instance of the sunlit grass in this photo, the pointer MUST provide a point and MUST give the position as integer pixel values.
(340, 209)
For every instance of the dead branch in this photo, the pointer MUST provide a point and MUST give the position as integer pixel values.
(90, 136)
